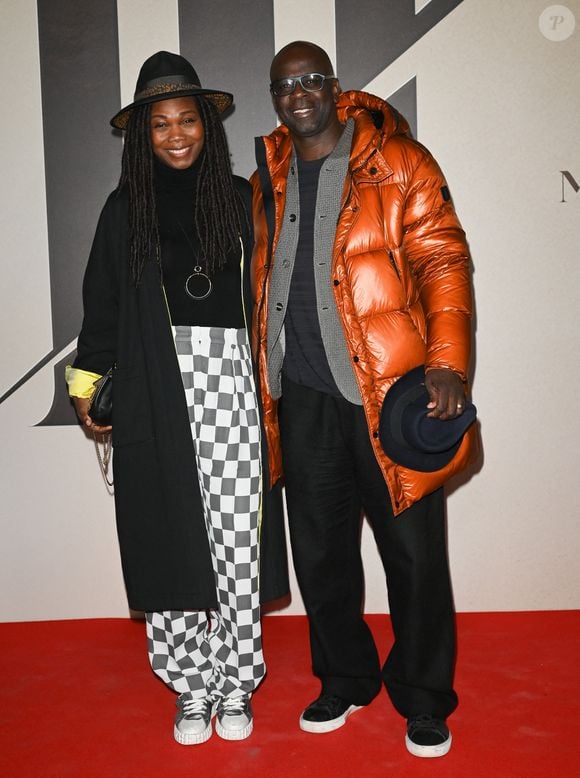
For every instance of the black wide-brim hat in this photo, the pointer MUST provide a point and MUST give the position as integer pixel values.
(163, 76)
(411, 438)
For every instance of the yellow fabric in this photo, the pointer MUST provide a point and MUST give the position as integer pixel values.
(81, 383)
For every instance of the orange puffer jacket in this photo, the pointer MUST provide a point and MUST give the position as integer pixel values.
(401, 277)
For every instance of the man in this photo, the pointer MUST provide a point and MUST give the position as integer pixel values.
(360, 273)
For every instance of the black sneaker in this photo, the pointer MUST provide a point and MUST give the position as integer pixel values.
(427, 736)
(326, 714)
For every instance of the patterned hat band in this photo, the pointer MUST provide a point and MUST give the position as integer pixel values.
(164, 75)
(163, 85)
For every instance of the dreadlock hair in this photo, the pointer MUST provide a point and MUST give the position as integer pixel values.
(137, 176)
(216, 205)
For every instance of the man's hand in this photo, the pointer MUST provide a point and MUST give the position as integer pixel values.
(82, 405)
(447, 393)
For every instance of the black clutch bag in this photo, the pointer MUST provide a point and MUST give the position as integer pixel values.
(101, 410)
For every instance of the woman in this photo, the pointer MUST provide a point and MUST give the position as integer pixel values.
(166, 301)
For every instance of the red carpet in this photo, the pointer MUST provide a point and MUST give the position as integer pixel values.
(78, 699)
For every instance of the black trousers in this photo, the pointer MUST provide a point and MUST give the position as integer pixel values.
(331, 476)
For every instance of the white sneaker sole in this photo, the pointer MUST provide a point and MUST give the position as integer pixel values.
(428, 752)
(192, 738)
(234, 734)
(320, 727)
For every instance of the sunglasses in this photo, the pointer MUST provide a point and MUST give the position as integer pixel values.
(310, 82)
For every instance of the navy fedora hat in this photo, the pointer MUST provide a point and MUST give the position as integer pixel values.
(412, 439)
(165, 75)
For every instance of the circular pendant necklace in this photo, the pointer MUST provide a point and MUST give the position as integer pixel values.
(198, 284)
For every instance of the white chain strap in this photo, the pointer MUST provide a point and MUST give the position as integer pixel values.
(104, 457)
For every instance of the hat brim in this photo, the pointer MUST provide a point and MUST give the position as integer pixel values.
(417, 460)
(410, 389)
(221, 100)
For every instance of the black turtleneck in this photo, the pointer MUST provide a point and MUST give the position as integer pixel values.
(181, 252)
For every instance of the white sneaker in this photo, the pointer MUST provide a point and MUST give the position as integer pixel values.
(193, 719)
(234, 719)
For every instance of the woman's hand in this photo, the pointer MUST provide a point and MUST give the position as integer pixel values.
(82, 405)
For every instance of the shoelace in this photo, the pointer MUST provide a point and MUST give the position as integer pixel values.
(234, 706)
(196, 708)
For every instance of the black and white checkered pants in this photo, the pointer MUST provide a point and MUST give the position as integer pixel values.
(218, 652)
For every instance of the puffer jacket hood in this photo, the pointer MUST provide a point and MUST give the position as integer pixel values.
(375, 120)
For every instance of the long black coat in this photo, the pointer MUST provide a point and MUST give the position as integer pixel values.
(162, 533)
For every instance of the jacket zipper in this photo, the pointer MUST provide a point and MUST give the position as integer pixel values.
(351, 174)
(242, 258)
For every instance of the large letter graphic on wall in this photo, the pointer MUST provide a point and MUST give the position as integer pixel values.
(371, 34)
(79, 64)
(231, 45)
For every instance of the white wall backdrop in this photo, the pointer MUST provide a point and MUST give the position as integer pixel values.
(498, 103)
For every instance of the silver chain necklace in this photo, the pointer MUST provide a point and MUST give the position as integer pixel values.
(198, 284)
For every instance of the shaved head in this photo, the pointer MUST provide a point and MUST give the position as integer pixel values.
(309, 114)
(302, 51)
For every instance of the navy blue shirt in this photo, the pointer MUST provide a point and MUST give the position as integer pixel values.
(305, 359)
